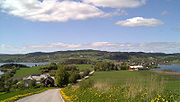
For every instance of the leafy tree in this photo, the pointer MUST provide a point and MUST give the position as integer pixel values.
(124, 67)
(32, 83)
(105, 67)
(62, 76)
(73, 77)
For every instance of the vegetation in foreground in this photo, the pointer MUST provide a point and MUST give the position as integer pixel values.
(12, 96)
(118, 86)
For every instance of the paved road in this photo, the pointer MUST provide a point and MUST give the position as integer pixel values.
(51, 95)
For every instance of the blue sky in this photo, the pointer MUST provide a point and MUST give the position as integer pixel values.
(113, 25)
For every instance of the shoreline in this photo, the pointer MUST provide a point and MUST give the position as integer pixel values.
(171, 74)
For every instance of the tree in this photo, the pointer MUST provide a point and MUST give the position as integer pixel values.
(124, 67)
(62, 76)
(32, 83)
(73, 77)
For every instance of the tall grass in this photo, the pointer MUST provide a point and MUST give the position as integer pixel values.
(134, 87)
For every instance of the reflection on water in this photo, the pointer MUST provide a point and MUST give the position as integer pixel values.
(172, 67)
(27, 64)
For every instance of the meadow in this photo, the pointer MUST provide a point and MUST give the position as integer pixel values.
(28, 71)
(84, 66)
(21, 92)
(125, 86)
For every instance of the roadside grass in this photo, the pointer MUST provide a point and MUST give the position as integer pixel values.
(28, 71)
(84, 66)
(12, 94)
(131, 86)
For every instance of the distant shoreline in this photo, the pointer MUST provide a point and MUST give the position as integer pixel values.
(171, 74)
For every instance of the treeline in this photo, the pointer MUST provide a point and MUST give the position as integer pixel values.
(77, 61)
(106, 66)
(67, 74)
(6, 81)
(94, 55)
(7, 67)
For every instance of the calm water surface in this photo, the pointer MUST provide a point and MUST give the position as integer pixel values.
(172, 67)
(1, 73)
(27, 64)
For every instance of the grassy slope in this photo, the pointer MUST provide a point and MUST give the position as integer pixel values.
(142, 77)
(11, 94)
(84, 66)
(132, 86)
(28, 71)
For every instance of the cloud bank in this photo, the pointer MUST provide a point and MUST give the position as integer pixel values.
(65, 10)
(50, 10)
(117, 3)
(165, 47)
(140, 21)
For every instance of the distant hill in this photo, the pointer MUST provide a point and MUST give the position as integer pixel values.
(94, 55)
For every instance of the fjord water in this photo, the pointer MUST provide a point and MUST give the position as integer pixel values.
(27, 64)
(172, 67)
(1, 73)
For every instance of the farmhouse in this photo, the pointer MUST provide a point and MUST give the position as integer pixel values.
(139, 67)
(38, 77)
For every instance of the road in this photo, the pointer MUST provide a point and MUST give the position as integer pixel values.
(51, 95)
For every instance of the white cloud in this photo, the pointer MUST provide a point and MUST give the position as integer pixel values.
(140, 21)
(164, 13)
(117, 3)
(165, 47)
(50, 10)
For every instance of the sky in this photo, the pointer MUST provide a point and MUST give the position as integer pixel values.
(110, 25)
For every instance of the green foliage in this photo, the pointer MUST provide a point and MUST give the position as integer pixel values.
(73, 77)
(76, 61)
(84, 66)
(48, 68)
(105, 67)
(85, 72)
(124, 67)
(71, 68)
(32, 83)
(86, 84)
(90, 55)
(11, 94)
(126, 86)
(62, 76)
(28, 71)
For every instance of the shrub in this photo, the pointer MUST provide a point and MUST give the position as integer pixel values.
(32, 83)
(86, 84)
(73, 77)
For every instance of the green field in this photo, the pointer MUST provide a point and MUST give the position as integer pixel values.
(84, 66)
(11, 94)
(28, 71)
(132, 86)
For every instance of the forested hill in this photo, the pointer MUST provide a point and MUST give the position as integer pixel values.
(94, 55)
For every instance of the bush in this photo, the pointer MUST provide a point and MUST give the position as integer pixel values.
(32, 83)
(124, 67)
(73, 77)
(86, 84)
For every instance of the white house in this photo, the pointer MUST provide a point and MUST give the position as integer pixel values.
(136, 67)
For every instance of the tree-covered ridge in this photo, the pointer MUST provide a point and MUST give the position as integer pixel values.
(94, 55)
